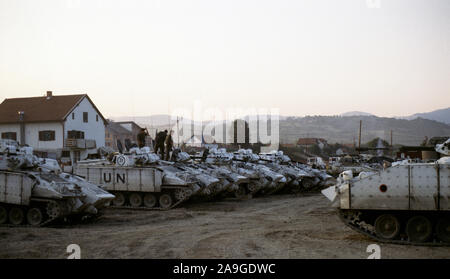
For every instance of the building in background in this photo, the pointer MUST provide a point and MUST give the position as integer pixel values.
(124, 131)
(116, 132)
(64, 126)
(309, 142)
(132, 127)
(135, 129)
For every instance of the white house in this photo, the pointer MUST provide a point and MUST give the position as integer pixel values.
(64, 126)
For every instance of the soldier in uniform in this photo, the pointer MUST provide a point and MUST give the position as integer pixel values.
(141, 137)
(159, 142)
(169, 145)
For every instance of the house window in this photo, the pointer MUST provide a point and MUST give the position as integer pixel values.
(73, 115)
(75, 134)
(46, 135)
(96, 118)
(85, 117)
(9, 135)
(65, 154)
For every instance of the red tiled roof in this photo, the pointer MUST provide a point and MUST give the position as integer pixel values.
(40, 109)
(309, 141)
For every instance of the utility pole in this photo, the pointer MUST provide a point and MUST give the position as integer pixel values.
(391, 138)
(178, 134)
(359, 141)
(392, 148)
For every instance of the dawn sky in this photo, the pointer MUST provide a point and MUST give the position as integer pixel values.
(137, 58)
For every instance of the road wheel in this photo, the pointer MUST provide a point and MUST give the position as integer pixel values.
(3, 215)
(54, 209)
(165, 201)
(443, 229)
(252, 187)
(16, 216)
(241, 192)
(307, 183)
(34, 216)
(119, 199)
(387, 226)
(419, 229)
(135, 200)
(150, 200)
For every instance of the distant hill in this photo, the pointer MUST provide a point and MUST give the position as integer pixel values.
(356, 113)
(441, 115)
(345, 129)
(340, 129)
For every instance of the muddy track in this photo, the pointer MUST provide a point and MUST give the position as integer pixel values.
(279, 226)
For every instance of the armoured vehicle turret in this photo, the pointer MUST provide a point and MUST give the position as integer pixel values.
(35, 190)
(408, 203)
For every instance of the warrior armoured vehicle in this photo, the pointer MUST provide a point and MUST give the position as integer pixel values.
(407, 203)
(139, 179)
(35, 191)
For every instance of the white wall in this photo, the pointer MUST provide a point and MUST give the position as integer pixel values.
(15, 128)
(32, 135)
(93, 129)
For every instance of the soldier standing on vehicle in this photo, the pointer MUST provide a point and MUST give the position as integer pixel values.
(141, 137)
(159, 142)
(169, 145)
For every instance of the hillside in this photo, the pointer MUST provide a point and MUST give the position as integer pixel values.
(441, 115)
(341, 129)
(356, 113)
(345, 129)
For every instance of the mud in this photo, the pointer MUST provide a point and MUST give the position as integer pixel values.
(280, 226)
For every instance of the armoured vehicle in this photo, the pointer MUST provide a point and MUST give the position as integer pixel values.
(408, 203)
(267, 173)
(36, 192)
(268, 181)
(216, 181)
(139, 179)
(299, 177)
(218, 163)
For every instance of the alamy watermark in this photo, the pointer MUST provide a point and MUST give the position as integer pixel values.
(232, 125)
(375, 251)
(373, 4)
(74, 251)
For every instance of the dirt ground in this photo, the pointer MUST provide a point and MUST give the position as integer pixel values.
(280, 226)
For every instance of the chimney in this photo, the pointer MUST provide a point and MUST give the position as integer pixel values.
(49, 94)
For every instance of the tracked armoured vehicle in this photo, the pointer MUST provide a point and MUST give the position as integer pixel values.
(34, 191)
(406, 204)
(219, 165)
(139, 180)
(242, 169)
(266, 173)
(300, 178)
(215, 182)
(270, 180)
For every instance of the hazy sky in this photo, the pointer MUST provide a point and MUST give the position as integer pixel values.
(304, 57)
